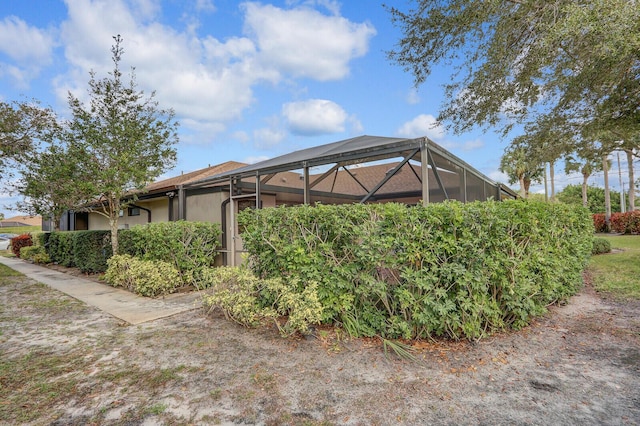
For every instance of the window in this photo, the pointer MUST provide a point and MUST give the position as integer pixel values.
(134, 211)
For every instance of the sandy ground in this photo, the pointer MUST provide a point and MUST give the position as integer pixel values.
(580, 364)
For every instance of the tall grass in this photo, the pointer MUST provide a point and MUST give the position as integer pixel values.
(617, 273)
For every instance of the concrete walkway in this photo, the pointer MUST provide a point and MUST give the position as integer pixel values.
(117, 302)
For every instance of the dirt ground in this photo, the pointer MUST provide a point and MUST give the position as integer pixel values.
(65, 363)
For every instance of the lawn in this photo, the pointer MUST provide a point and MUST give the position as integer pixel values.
(618, 273)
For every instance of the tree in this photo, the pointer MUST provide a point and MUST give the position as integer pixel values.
(586, 166)
(122, 139)
(52, 181)
(572, 194)
(521, 168)
(514, 59)
(21, 126)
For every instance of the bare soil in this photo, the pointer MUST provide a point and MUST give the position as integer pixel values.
(65, 363)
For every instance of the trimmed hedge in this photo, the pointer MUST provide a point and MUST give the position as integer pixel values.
(601, 246)
(626, 223)
(599, 222)
(447, 269)
(144, 277)
(186, 245)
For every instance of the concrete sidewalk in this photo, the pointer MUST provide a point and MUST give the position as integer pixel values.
(117, 302)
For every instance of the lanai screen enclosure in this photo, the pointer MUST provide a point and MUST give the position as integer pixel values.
(363, 169)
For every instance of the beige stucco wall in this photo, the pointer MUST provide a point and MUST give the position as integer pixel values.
(159, 213)
(204, 207)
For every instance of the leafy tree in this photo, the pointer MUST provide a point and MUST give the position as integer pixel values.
(21, 125)
(52, 182)
(515, 58)
(586, 166)
(121, 138)
(572, 194)
(521, 167)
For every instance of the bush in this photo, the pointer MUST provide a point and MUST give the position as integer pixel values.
(61, 248)
(36, 254)
(600, 246)
(144, 277)
(17, 243)
(188, 246)
(599, 222)
(447, 269)
(91, 249)
(248, 300)
(626, 223)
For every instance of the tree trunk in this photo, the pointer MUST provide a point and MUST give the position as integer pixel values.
(552, 179)
(527, 184)
(607, 194)
(546, 184)
(585, 201)
(114, 215)
(523, 189)
(632, 180)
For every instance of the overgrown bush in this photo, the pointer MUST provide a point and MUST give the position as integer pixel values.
(17, 243)
(188, 246)
(249, 300)
(447, 269)
(626, 223)
(145, 277)
(599, 222)
(36, 254)
(600, 246)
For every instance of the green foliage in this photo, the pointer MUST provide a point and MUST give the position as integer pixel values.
(145, 277)
(188, 246)
(600, 246)
(91, 249)
(572, 194)
(36, 254)
(122, 139)
(61, 248)
(449, 269)
(249, 300)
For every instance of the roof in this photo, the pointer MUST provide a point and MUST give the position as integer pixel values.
(21, 221)
(185, 178)
(348, 151)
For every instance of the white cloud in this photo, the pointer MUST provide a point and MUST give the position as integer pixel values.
(422, 125)
(413, 97)
(255, 159)
(472, 144)
(314, 117)
(269, 136)
(305, 43)
(30, 47)
(207, 81)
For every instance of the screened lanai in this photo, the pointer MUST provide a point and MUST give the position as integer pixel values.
(364, 169)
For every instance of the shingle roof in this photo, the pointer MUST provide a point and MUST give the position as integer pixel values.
(185, 178)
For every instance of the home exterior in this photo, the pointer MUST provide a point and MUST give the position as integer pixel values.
(365, 169)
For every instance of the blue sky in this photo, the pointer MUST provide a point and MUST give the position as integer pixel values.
(247, 80)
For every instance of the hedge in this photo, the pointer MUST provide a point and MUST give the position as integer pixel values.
(626, 223)
(447, 269)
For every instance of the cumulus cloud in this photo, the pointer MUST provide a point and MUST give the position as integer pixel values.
(422, 125)
(314, 117)
(205, 79)
(29, 47)
(303, 42)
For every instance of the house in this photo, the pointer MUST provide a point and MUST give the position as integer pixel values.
(21, 221)
(363, 169)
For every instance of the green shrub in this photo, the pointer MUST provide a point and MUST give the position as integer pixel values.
(600, 246)
(91, 249)
(61, 248)
(144, 277)
(188, 246)
(447, 269)
(36, 254)
(249, 300)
